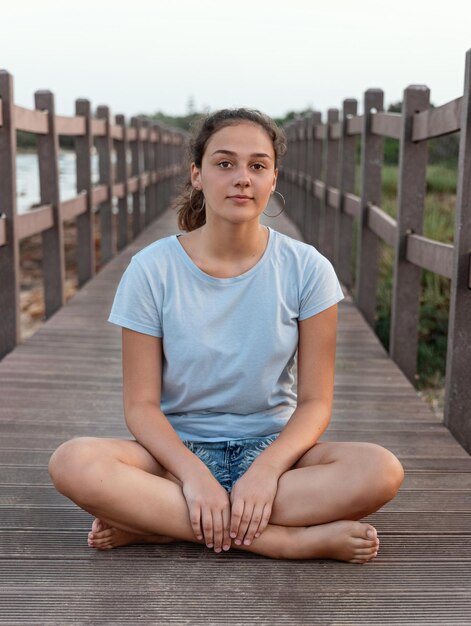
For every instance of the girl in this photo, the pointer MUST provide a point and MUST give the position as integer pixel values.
(226, 451)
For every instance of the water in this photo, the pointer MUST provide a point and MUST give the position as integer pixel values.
(27, 178)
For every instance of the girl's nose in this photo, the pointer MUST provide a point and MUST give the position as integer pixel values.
(242, 177)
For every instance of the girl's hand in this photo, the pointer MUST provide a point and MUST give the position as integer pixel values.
(252, 499)
(209, 508)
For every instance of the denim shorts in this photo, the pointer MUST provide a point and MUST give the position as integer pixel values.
(228, 460)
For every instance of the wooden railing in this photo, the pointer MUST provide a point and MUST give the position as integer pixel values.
(324, 211)
(156, 163)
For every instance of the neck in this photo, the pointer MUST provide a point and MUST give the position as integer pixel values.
(233, 242)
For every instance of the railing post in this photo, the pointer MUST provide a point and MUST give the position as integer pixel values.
(166, 168)
(173, 162)
(282, 183)
(104, 146)
(305, 173)
(154, 132)
(53, 261)
(316, 169)
(10, 331)
(405, 304)
(331, 178)
(148, 195)
(163, 168)
(85, 222)
(307, 234)
(344, 222)
(121, 177)
(457, 387)
(292, 170)
(300, 172)
(296, 172)
(367, 249)
(158, 167)
(136, 170)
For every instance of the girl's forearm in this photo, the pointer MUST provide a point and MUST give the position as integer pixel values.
(304, 428)
(152, 430)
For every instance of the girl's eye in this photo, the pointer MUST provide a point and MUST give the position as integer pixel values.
(222, 164)
(259, 166)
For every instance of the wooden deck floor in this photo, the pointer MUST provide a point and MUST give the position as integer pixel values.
(65, 381)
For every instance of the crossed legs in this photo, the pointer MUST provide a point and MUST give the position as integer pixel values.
(135, 500)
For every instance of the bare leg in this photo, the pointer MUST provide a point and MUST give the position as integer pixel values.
(133, 500)
(316, 491)
(335, 481)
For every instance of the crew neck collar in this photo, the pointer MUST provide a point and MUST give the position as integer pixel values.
(232, 279)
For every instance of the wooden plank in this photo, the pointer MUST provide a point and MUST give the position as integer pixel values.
(352, 205)
(383, 225)
(436, 122)
(367, 253)
(386, 124)
(71, 126)
(344, 233)
(52, 239)
(431, 255)
(31, 121)
(354, 124)
(60, 544)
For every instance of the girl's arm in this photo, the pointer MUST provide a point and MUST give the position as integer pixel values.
(142, 377)
(316, 364)
(208, 502)
(253, 494)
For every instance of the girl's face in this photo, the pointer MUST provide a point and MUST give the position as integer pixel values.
(237, 173)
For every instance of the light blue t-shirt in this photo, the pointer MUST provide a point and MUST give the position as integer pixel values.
(229, 344)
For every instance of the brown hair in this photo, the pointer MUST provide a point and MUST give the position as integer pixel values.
(190, 201)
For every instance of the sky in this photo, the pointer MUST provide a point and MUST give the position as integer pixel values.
(145, 56)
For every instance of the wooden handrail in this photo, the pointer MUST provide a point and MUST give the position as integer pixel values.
(324, 207)
(155, 178)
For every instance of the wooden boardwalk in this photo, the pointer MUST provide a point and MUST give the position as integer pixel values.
(65, 381)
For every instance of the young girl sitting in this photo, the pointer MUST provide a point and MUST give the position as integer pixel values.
(226, 447)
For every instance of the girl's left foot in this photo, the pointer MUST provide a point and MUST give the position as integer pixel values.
(104, 537)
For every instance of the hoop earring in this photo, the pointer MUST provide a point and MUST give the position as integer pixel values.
(284, 206)
(191, 204)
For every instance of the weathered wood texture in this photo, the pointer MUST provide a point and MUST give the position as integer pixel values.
(65, 381)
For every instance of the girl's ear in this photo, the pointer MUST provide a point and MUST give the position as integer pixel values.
(275, 176)
(195, 176)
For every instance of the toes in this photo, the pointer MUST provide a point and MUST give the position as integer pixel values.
(96, 526)
(361, 552)
(100, 545)
(370, 532)
(103, 534)
(99, 525)
(360, 543)
(101, 541)
(362, 559)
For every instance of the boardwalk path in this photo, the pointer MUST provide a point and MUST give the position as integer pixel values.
(65, 381)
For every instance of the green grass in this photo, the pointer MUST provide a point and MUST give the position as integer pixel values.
(438, 224)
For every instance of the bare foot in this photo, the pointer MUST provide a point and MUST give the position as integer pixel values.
(104, 537)
(343, 540)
